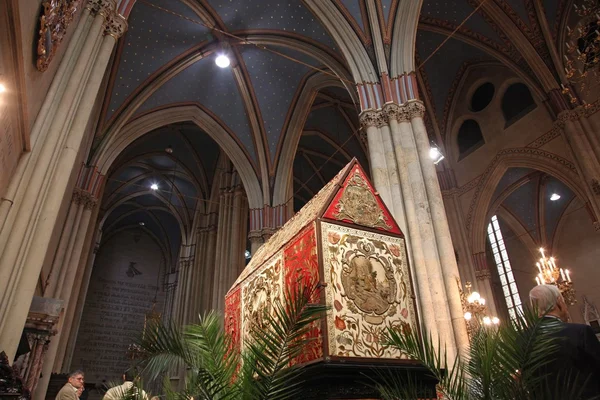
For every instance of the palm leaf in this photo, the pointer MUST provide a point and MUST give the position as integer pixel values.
(273, 347)
(202, 349)
(451, 378)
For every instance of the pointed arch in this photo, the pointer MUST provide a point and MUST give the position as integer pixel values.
(117, 140)
(537, 159)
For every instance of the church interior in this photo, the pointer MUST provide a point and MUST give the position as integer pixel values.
(149, 149)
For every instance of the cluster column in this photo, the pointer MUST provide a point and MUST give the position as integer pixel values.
(417, 203)
(30, 209)
(584, 140)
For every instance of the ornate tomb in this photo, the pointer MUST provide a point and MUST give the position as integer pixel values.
(345, 238)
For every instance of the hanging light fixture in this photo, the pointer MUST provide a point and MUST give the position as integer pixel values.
(582, 56)
(550, 274)
(475, 310)
(222, 61)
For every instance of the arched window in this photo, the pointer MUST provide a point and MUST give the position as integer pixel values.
(516, 103)
(469, 137)
(482, 97)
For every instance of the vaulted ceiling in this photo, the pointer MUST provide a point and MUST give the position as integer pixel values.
(285, 61)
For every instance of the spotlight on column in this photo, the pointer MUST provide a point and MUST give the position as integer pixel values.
(2, 88)
(435, 154)
(222, 61)
(154, 186)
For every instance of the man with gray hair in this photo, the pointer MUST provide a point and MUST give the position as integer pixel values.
(69, 391)
(579, 350)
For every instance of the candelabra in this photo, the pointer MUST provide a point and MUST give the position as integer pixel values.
(475, 309)
(582, 56)
(551, 274)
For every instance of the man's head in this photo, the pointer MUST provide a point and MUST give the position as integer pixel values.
(548, 301)
(128, 376)
(76, 379)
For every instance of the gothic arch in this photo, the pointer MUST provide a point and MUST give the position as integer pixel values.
(283, 182)
(405, 35)
(537, 159)
(117, 140)
(358, 60)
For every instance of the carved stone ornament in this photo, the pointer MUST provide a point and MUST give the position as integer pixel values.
(595, 187)
(359, 205)
(55, 19)
(416, 109)
(483, 274)
(86, 199)
(116, 25)
(371, 118)
(395, 112)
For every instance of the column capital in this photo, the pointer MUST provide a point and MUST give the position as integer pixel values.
(86, 199)
(116, 25)
(396, 112)
(102, 7)
(416, 109)
(371, 118)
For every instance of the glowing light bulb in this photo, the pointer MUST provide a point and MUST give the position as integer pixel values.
(487, 320)
(154, 186)
(222, 61)
(495, 320)
(554, 197)
(482, 301)
(476, 296)
(468, 316)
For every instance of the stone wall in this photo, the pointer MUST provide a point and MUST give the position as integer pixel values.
(122, 287)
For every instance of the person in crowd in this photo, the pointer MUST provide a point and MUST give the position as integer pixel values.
(579, 350)
(74, 383)
(117, 392)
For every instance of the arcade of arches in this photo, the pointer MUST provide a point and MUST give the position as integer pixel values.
(137, 175)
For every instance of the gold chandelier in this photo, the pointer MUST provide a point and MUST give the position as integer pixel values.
(551, 274)
(475, 309)
(582, 57)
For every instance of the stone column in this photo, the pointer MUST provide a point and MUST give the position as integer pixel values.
(449, 268)
(64, 270)
(396, 115)
(39, 185)
(584, 143)
(86, 265)
(371, 120)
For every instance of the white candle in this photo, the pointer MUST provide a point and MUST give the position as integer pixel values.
(539, 267)
(542, 280)
(562, 274)
(537, 280)
(568, 276)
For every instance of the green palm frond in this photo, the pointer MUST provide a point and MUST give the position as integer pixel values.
(274, 346)
(451, 378)
(202, 349)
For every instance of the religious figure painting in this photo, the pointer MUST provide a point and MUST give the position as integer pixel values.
(368, 290)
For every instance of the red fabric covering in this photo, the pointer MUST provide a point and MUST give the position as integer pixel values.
(233, 313)
(333, 208)
(302, 264)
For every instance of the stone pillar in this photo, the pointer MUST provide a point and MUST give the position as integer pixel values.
(394, 114)
(62, 277)
(39, 329)
(370, 121)
(449, 268)
(38, 187)
(585, 148)
(78, 302)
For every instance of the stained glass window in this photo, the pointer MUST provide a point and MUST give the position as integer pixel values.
(509, 287)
